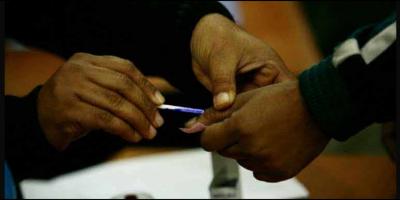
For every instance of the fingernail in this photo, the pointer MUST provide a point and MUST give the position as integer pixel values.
(223, 99)
(197, 127)
(136, 137)
(159, 98)
(190, 122)
(152, 132)
(159, 120)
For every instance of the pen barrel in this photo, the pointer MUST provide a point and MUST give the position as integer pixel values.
(182, 109)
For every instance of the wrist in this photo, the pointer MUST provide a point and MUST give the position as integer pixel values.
(44, 121)
(293, 92)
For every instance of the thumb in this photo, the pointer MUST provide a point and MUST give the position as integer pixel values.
(222, 75)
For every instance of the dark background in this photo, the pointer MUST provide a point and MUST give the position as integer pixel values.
(331, 24)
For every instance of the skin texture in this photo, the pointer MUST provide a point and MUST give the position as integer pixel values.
(227, 60)
(90, 92)
(267, 128)
(106, 92)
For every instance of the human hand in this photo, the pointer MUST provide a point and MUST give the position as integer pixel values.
(90, 92)
(267, 130)
(228, 60)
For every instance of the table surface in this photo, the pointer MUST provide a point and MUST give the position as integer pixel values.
(328, 176)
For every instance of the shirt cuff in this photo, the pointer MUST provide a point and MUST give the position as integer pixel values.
(329, 102)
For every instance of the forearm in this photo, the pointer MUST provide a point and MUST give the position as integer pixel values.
(26, 146)
(355, 86)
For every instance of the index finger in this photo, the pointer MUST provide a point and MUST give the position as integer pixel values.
(219, 135)
(210, 116)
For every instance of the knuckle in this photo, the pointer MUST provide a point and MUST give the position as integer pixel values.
(131, 68)
(120, 76)
(74, 130)
(124, 62)
(146, 85)
(115, 101)
(73, 66)
(62, 93)
(104, 117)
(221, 85)
(127, 63)
(126, 83)
(149, 85)
(79, 55)
(143, 82)
(222, 79)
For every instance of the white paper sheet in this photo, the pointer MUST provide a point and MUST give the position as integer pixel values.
(182, 174)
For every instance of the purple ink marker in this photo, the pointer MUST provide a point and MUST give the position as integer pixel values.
(182, 109)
